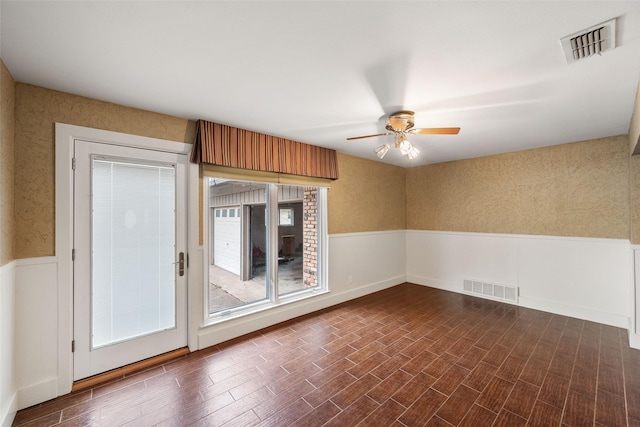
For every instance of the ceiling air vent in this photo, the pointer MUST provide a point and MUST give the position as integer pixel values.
(592, 41)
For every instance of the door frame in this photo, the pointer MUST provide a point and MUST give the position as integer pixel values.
(65, 136)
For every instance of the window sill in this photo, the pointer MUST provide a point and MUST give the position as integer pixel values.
(259, 307)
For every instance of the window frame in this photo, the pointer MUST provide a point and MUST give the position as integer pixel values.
(272, 212)
(290, 216)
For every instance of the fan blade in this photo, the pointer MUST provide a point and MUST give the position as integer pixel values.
(435, 131)
(387, 80)
(366, 136)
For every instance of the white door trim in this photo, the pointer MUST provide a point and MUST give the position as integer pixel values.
(65, 135)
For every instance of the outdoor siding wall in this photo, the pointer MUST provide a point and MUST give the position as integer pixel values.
(7, 121)
(37, 109)
(368, 196)
(579, 189)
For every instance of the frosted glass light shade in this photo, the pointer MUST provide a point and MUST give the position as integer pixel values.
(382, 150)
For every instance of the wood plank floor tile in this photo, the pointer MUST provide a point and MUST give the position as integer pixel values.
(354, 414)
(497, 355)
(579, 410)
(610, 409)
(319, 416)
(554, 390)
(584, 381)
(611, 379)
(633, 402)
(451, 379)
(368, 365)
(495, 394)
(423, 408)
(288, 414)
(408, 355)
(478, 416)
(385, 414)
(457, 406)
(534, 371)
(509, 419)
(328, 389)
(480, 377)
(544, 414)
(390, 366)
(284, 399)
(522, 398)
(413, 389)
(442, 364)
(419, 362)
(390, 385)
(348, 395)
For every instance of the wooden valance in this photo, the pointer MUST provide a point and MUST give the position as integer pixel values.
(223, 145)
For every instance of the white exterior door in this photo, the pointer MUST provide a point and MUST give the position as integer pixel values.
(227, 232)
(129, 240)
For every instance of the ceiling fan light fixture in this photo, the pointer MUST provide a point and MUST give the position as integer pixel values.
(406, 147)
(413, 153)
(382, 150)
(401, 138)
(399, 124)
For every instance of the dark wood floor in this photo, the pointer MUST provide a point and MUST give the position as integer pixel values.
(406, 356)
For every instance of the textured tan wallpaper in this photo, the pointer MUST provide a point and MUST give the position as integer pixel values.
(37, 111)
(578, 189)
(368, 196)
(7, 109)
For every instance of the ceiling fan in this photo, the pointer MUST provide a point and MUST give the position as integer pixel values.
(401, 124)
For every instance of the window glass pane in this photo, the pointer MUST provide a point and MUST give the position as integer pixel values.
(286, 216)
(237, 244)
(244, 250)
(133, 250)
(297, 261)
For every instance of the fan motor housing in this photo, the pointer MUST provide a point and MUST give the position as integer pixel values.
(400, 121)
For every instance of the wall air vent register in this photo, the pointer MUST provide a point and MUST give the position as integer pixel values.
(492, 291)
(592, 41)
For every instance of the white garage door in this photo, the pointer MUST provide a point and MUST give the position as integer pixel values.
(226, 238)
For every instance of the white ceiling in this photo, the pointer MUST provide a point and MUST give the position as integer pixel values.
(319, 72)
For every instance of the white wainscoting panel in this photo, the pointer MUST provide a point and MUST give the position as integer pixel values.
(8, 392)
(586, 278)
(36, 330)
(634, 323)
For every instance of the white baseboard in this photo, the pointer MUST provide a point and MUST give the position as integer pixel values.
(634, 341)
(575, 311)
(536, 304)
(9, 412)
(433, 283)
(37, 393)
(8, 396)
(222, 332)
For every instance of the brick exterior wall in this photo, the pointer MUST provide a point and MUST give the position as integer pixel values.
(310, 233)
